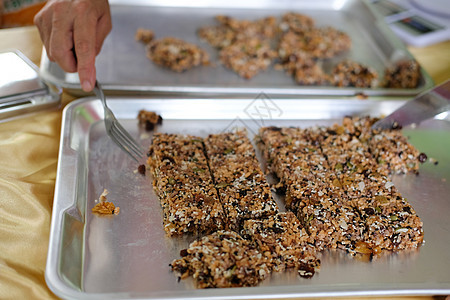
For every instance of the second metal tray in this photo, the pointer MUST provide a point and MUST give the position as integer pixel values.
(127, 256)
(123, 66)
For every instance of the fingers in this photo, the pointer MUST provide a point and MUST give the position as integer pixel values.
(104, 27)
(61, 39)
(55, 29)
(91, 27)
(84, 36)
(73, 32)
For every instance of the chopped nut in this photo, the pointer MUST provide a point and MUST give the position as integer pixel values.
(104, 208)
(102, 197)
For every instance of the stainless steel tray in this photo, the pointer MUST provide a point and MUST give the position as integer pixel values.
(21, 89)
(123, 66)
(127, 256)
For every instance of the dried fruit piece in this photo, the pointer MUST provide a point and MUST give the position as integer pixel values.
(141, 169)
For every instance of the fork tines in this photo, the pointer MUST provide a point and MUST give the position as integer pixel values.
(115, 130)
(124, 140)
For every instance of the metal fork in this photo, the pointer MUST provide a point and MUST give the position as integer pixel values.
(116, 132)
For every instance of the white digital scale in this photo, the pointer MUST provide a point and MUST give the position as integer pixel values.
(417, 22)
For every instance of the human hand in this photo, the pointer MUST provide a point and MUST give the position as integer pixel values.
(73, 32)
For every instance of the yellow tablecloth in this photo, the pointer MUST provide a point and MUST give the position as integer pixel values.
(28, 161)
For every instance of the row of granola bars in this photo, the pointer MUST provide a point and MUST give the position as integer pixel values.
(336, 180)
(337, 188)
(216, 188)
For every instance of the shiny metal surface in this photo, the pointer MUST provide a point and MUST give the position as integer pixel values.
(123, 66)
(422, 107)
(127, 256)
(21, 89)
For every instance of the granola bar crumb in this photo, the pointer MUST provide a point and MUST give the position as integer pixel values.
(144, 35)
(149, 119)
(176, 54)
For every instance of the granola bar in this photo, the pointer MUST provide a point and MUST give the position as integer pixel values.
(369, 189)
(392, 149)
(296, 22)
(320, 43)
(222, 259)
(304, 68)
(403, 74)
(149, 119)
(286, 240)
(176, 54)
(247, 57)
(353, 74)
(241, 184)
(231, 30)
(311, 187)
(338, 189)
(184, 185)
(217, 36)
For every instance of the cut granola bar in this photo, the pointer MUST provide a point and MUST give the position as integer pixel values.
(241, 184)
(184, 185)
(286, 240)
(222, 259)
(336, 185)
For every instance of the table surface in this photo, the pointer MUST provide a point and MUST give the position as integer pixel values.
(28, 161)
